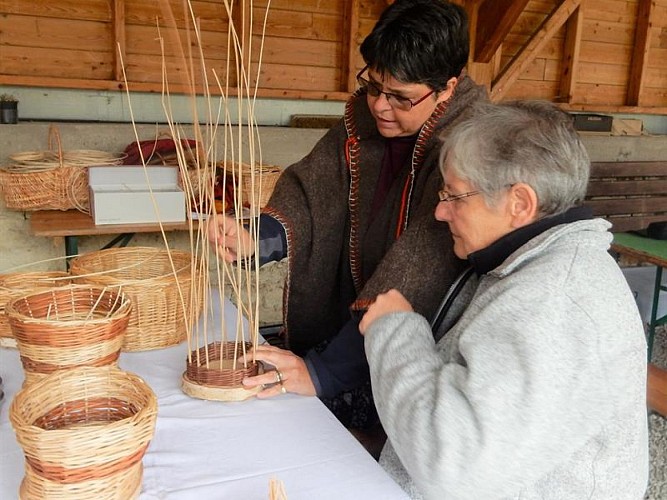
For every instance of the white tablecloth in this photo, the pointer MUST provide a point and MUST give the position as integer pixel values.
(211, 450)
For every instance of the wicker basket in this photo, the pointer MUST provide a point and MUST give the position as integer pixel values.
(52, 179)
(212, 372)
(14, 285)
(84, 433)
(256, 188)
(67, 327)
(164, 302)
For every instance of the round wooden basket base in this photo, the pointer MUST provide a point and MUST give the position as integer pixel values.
(214, 393)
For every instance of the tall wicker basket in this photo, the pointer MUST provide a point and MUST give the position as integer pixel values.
(84, 433)
(161, 285)
(67, 327)
(14, 285)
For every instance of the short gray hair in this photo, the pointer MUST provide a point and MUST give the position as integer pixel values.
(533, 142)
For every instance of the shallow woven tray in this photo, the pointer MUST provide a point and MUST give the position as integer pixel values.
(16, 284)
(66, 327)
(84, 432)
(163, 298)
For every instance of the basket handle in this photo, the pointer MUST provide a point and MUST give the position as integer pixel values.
(54, 138)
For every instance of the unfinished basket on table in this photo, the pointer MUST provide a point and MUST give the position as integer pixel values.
(164, 302)
(212, 374)
(14, 285)
(84, 433)
(66, 327)
(52, 179)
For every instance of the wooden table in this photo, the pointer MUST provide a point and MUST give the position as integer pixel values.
(651, 251)
(71, 224)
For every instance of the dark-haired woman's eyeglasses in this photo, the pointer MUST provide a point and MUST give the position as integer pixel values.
(395, 101)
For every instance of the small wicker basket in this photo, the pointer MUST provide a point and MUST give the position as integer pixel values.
(165, 304)
(84, 433)
(256, 184)
(213, 373)
(66, 327)
(14, 285)
(52, 179)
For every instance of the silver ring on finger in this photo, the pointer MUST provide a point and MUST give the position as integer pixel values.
(282, 388)
(279, 377)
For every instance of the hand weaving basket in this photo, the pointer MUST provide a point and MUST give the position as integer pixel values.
(67, 327)
(14, 285)
(213, 372)
(84, 433)
(160, 284)
(52, 179)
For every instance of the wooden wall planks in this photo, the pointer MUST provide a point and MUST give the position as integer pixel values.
(310, 51)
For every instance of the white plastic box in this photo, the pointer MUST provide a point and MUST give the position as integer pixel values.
(132, 194)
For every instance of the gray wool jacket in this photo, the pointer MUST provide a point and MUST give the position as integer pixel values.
(537, 392)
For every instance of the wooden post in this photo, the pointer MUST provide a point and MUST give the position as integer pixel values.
(118, 16)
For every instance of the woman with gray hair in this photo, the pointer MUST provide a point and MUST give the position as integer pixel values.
(531, 380)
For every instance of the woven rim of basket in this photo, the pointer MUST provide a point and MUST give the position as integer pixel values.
(84, 424)
(131, 265)
(198, 372)
(16, 284)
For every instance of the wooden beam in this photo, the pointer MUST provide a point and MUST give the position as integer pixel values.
(119, 46)
(528, 53)
(640, 52)
(495, 19)
(570, 64)
(351, 43)
(656, 390)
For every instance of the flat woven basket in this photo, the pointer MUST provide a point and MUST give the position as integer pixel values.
(67, 327)
(52, 179)
(164, 301)
(84, 433)
(14, 285)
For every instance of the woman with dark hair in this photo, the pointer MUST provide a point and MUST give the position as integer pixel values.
(355, 216)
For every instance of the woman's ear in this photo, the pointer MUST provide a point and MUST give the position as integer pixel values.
(523, 205)
(447, 92)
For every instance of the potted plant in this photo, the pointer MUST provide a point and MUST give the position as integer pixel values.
(9, 109)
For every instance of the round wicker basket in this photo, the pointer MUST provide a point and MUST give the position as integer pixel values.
(66, 327)
(212, 374)
(84, 433)
(16, 284)
(160, 284)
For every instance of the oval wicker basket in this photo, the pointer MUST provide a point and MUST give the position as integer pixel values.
(52, 179)
(84, 433)
(164, 303)
(66, 327)
(14, 285)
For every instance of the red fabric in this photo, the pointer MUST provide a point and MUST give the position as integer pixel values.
(153, 150)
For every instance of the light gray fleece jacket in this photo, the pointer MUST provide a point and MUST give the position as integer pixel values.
(537, 392)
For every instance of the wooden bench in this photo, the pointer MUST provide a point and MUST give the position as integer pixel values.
(630, 195)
